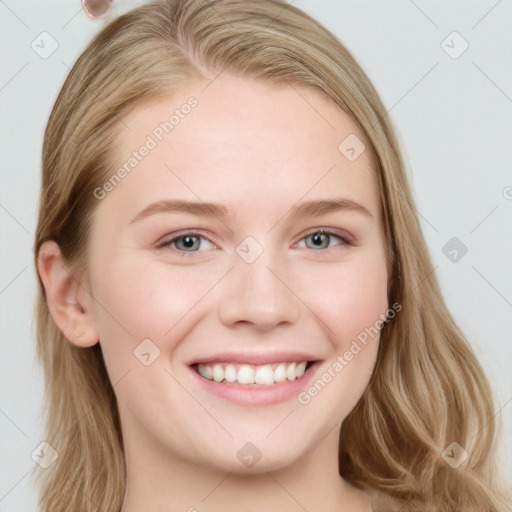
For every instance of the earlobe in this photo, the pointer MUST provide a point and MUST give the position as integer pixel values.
(67, 299)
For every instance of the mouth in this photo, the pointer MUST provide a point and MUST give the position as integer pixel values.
(254, 381)
(253, 375)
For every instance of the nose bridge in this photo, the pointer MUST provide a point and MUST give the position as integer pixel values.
(257, 292)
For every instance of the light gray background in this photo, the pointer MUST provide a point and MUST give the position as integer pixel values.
(453, 119)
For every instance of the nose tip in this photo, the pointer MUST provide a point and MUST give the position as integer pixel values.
(97, 9)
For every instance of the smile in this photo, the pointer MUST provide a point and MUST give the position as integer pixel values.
(249, 374)
(250, 384)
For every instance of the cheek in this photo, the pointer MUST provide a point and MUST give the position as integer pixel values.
(353, 298)
(348, 297)
(136, 299)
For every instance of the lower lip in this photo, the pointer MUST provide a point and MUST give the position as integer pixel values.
(254, 394)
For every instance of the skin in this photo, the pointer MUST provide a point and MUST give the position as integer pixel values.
(258, 149)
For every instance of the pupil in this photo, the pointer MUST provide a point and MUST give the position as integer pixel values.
(317, 238)
(188, 241)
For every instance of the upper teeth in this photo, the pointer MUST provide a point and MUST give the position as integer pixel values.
(252, 374)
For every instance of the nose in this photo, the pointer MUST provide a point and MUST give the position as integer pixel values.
(259, 294)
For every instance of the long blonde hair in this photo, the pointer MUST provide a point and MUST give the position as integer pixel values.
(428, 389)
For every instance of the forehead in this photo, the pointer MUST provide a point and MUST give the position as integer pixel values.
(237, 140)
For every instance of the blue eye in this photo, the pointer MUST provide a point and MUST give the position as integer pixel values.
(190, 242)
(320, 237)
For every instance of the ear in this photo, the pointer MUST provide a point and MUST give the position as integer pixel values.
(67, 299)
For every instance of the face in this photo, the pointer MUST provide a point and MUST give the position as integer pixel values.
(201, 311)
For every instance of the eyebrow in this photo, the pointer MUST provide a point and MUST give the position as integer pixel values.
(314, 208)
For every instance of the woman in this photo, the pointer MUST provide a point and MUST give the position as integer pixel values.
(237, 307)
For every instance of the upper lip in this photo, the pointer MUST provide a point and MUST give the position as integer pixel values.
(255, 358)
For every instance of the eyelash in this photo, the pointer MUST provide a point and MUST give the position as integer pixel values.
(167, 243)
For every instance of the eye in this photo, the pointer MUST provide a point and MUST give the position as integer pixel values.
(184, 242)
(321, 239)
